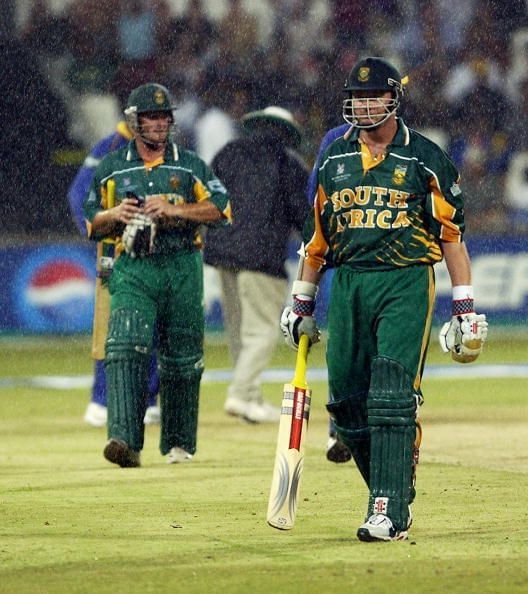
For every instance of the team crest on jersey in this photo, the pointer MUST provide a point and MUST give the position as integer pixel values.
(398, 177)
(340, 168)
(126, 181)
(455, 189)
(363, 74)
(174, 182)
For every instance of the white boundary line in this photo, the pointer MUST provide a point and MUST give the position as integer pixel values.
(278, 375)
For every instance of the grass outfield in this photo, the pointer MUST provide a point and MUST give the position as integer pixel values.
(71, 522)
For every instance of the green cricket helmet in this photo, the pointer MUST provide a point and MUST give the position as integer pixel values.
(147, 98)
(376, 75)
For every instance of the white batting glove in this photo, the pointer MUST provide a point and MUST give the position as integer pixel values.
(138, 236)
(464, 336)
(298, 319)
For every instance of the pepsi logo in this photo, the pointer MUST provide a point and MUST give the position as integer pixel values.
(59, 283)
(55, 290)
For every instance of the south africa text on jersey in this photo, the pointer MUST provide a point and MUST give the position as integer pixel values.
(388, 212)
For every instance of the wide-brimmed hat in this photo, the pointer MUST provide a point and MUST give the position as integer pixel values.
(278, 116)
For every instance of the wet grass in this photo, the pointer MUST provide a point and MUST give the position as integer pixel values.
(70, 522)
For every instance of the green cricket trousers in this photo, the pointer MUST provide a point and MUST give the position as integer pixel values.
(162, 293)
(379, 313)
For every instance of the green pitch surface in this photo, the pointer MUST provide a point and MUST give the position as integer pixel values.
(71, 522)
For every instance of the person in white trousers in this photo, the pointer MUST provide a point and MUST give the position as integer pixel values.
(266, 182)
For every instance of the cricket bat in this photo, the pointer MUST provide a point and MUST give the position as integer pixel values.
(105, 253)
(289, 457)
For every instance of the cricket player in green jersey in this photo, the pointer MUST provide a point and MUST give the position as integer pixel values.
(163, 193)
(388, 207)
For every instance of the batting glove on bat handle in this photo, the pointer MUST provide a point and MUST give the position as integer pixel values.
(297, 320)
(464, 336)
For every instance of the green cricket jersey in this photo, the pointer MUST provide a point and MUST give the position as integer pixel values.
(180, 176)
(384, 213)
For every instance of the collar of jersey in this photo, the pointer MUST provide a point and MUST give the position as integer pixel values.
(400, 139)
(171, 152)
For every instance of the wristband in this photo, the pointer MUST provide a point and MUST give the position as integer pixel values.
(303, 305)
(462, 300)
(462, 306)
(462, 292)
(304, 288)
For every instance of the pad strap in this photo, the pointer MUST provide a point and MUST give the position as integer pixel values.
(300, 287)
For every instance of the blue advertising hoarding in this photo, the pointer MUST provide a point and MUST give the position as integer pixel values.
(49, 288)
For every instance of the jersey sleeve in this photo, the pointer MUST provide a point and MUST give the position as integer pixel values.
(207, 186)
(328, 138)
(317, 251)
(445, 202)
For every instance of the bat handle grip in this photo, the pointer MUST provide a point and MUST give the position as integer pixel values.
(110, 203)
(299, 378)
(110, 192)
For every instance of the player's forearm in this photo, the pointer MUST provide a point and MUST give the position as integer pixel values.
(457, 262)
(200, 212)
(310, 275)
(112, 220)
(105, 222)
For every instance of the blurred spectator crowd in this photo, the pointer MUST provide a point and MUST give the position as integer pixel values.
(70, 71)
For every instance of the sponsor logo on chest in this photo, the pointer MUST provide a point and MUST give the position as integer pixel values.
(340, 173)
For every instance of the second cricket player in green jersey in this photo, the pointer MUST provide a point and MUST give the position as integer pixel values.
(152, 197)
(180, 177)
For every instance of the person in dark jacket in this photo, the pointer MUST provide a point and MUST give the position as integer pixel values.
(266, 181)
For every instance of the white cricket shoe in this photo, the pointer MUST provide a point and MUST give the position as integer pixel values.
(379, 527)
(152, 416)
(262, 412)
(235, 406)
(95, 415)
(252, 411)
(178, 455)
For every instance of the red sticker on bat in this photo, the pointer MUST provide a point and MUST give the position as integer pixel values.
(297, 418)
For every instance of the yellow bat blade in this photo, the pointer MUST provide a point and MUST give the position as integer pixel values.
(289, 457)
(100, 321)
(102, 296)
